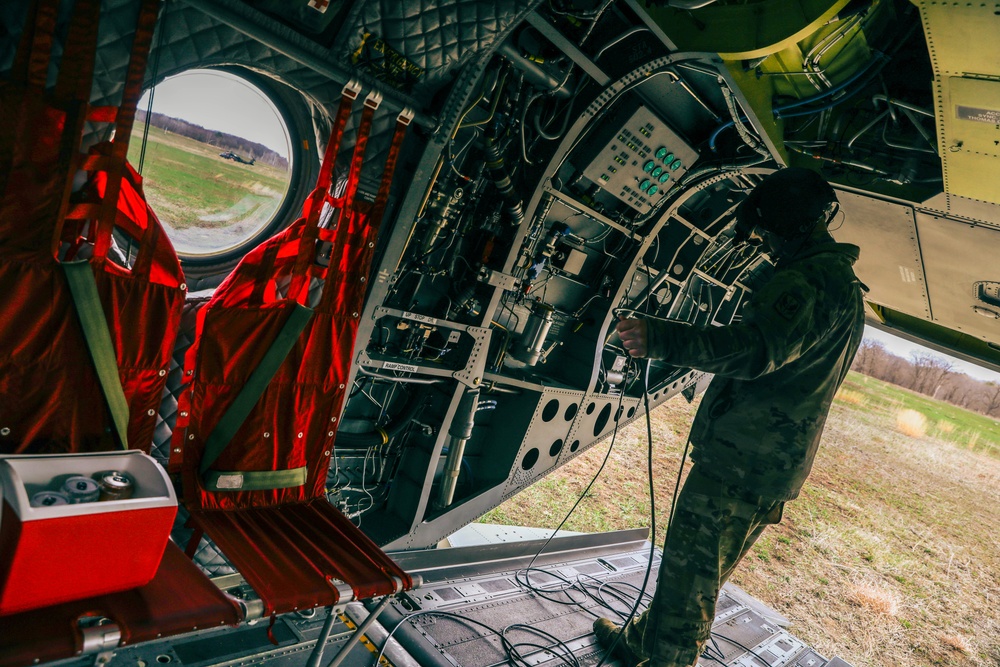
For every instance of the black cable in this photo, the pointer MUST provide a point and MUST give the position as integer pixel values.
(607, 455)
(434, 612)
(652, 511)
(621, 596)
(514, 654)
(152, 91)
(741, 646)
(544, 592)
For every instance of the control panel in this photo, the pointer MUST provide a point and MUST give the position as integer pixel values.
(636, 158)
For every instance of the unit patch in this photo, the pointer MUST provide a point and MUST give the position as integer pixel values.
(386, 64)
(788, 305)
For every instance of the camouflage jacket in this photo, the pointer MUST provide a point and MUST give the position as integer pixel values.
(760, 421)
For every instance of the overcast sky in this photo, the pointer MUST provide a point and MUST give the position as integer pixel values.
(221, 101)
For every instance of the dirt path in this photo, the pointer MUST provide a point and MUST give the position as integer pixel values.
(891, 556)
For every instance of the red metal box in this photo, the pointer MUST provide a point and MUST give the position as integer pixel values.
(50, 555)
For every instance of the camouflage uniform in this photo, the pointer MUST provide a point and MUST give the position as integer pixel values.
(756, 432)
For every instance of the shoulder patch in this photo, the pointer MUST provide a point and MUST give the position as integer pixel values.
(788, 305)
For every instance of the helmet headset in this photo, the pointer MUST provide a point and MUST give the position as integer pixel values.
(788, 204)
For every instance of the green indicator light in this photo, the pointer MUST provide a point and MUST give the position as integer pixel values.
(675, 165)
(653, 189)
(605, 177)
(667, 158)
(664, 177)
(656, 172)
(649, 166)
(661, 152)
(645, 185)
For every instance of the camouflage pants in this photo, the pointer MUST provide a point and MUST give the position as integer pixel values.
(714, 525)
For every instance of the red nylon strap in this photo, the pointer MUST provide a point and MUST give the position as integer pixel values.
(402, 122)
(105, 114)
(123, 127)
(144, 260)
(19, 67)
(347, 234)
(344, 233)
(31, 65)
(364, 129)
(264, 271)
(76, 68)
(93, 162)
(72, 91)
(299, 288)
(336, 134)
(82, 211)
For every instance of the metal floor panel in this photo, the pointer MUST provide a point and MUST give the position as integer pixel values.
(464, 611)
(476, 609)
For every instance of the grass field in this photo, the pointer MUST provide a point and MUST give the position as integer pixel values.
(891, 555)
(206, 201)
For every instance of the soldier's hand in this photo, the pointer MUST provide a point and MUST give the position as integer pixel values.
(634, 335)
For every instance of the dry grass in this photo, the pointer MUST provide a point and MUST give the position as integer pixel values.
(911, 423)
(891, 555)
(957, 642)
(874, 597)
(850, 396)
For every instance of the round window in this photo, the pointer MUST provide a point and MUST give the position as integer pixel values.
(217, 162)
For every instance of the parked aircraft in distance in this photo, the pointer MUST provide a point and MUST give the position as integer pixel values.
(229, 155)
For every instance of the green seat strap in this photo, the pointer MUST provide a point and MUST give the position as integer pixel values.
(237, 413)
(83, 289)
(254, 480)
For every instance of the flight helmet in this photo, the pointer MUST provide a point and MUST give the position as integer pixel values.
(789, 204)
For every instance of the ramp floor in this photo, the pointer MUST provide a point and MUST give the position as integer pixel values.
(489, 605)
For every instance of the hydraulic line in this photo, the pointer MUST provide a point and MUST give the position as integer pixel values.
(498, 174)
(383, 434)
(785, 111)
(458, 435)
(535, 75)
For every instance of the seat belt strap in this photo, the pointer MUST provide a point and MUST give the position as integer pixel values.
(83, 289)
(254, 480)
(237, 413)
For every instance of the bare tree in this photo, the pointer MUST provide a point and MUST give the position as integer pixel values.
(929, 370)
(870, 357)
(990, 398)
(961, 390)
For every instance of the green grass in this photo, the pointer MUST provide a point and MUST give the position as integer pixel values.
(204, 200)
(891, 554)
(945, 422)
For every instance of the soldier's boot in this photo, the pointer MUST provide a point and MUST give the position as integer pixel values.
(606, 632)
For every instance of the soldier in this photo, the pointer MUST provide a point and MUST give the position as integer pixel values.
(759, 424)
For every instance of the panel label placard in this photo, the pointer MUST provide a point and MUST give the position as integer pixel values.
(417, 317)
(405, 368)
(991, 116)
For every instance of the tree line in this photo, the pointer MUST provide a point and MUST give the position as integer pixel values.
(221, 140)
(928, 374)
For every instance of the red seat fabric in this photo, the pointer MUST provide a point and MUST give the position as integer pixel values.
(289, 553)
(179, 599)
(53, 401)
(288, 542)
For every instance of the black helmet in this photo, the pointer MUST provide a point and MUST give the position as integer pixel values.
(788, 203)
